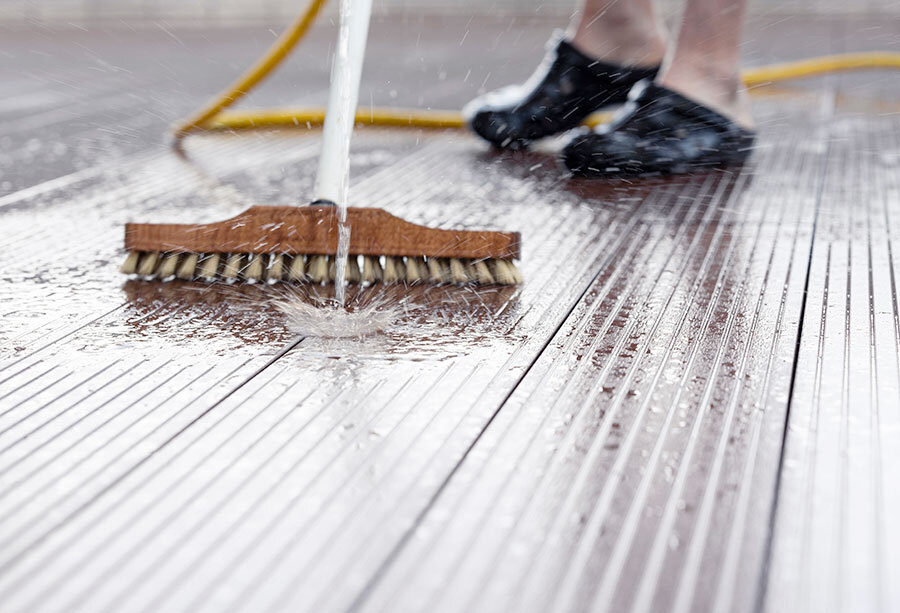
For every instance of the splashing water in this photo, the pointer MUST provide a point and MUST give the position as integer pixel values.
(308, 319)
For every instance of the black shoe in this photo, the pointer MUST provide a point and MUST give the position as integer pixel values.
(567, 87)
(659, 131)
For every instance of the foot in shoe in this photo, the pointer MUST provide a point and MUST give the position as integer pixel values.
(566, 88)
(659, 131)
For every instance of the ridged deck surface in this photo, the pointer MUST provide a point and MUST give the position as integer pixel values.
(692, 404)
(836, 538)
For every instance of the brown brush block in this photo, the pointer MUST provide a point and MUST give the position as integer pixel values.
(295, 230)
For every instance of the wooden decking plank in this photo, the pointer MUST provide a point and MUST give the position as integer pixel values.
(835, 547)
(502, 535)
(499, 364)
(171, 446)
(53, 271)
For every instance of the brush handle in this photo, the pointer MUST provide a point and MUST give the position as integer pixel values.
(346, 72)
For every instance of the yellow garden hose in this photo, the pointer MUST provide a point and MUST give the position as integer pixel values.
(214, 116)
(393, 117)
(259, 71)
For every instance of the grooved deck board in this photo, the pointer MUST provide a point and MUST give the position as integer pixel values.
(634, 464)
(607, 436)
(836, 543)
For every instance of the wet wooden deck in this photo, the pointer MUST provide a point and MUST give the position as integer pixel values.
(692, 404)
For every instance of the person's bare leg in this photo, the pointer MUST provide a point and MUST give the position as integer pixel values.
(704, 62)
(625, 32)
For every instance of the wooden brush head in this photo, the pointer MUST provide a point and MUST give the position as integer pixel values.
(293, 230)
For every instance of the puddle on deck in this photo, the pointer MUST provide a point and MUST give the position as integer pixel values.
(381, 321)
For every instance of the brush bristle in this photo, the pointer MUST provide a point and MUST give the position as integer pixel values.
(372, 270)
(129, 266)
(436, 272)
(458, 272)
(297, 269)
(319, 268)
(254, 269)
(148, 262)
(188, 266)
(232, 266)
(167, 267)
(209, 267)
(482, 275)
(275, 271)
(394, 271)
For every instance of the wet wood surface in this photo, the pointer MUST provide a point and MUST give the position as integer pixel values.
(691, 404)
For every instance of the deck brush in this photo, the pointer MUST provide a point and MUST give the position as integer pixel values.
(287, 243)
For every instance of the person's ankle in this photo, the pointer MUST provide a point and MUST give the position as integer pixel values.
(627, 45)
(722, 92)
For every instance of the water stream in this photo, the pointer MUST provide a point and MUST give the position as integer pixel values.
(346, 113)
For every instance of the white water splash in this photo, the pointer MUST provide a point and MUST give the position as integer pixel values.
(332, 320)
